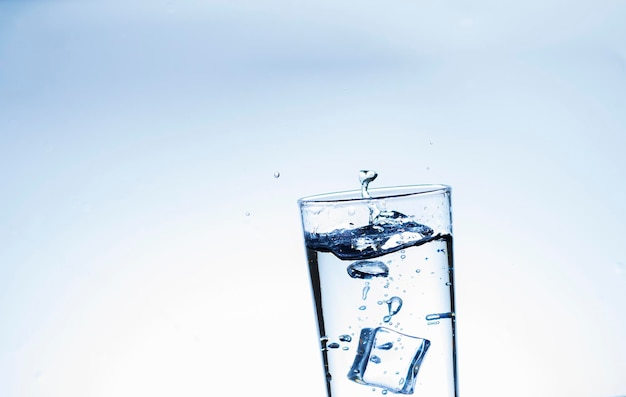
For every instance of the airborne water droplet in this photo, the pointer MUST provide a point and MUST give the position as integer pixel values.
(276, 174)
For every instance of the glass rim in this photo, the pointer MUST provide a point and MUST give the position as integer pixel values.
(379, 193)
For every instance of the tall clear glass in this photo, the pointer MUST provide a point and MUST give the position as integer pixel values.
(383, 284)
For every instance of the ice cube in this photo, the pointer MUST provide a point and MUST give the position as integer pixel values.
(388, 359)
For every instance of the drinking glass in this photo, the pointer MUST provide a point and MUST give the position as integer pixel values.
(382, 276)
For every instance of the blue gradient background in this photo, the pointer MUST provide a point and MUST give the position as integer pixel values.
(146, 248)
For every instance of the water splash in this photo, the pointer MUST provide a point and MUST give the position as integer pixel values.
(365, 177)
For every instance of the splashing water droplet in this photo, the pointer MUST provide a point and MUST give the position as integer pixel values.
(345, 338)
(362, 307)
(247, 213)
(276, 174)
(375, 359)
(365, 177)
(333, 345)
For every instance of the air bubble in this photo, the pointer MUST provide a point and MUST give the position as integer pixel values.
(437, 316)
(394, 304)
(365, 290)
(368, 269)
(345, 338)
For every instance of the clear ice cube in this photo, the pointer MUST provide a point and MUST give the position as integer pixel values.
(388, 359)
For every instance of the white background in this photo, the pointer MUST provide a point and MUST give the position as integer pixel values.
(146, 248)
